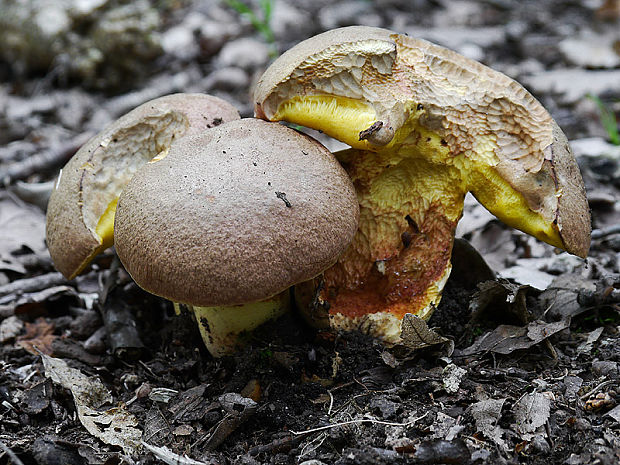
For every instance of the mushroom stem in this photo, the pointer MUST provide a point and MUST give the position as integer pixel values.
(222, 326)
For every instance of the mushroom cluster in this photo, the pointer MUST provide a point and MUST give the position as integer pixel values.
(219, 213)
(425, 125)
(232, 218)
(225, 214)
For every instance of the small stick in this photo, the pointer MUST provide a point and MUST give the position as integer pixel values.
(608, 231)
(32, 284)
(363, 420)
(277, 445)
(44, 160)
(598, 388)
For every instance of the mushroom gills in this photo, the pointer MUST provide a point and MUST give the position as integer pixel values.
(222, 327)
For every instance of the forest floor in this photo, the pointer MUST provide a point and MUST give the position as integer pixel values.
(528, 371)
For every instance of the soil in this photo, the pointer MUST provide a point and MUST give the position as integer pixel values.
(529, 372)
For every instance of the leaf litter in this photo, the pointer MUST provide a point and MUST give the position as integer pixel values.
(487, 387)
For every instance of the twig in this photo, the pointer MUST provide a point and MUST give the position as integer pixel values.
(598, 388)
(608, 231)
(277, 445)
(331, 402)
(32, 284)
(43, 161)
(11, 454)
(363, 420)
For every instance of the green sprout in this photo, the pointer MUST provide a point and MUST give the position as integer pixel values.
(608, 119)
(260, 22)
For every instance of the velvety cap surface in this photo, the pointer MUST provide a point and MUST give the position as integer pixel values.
(235, 215)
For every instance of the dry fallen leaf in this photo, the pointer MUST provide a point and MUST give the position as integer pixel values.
(38, 337)
(532, 411)
(416, 334)
(507, 338)
(10, 328)
(500, 296)
(115, 426)
(487, 413)
(21, 225)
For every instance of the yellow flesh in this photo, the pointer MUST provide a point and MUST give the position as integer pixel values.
(339, 117)
(104, 233)
(343, 119)
(105, 225)
(414, 176)
(409, 208)
(220, 327)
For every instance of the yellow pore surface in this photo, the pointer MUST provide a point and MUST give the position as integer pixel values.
(344, 118)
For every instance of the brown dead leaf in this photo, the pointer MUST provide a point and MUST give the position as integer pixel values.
(38, 335)
(501, 297)
(561, 297)
(417, 335)
(507, 338)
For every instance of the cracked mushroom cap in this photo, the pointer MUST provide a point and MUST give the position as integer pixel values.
(381, 91)
(80, 213)
(426, 126)
(235, 215)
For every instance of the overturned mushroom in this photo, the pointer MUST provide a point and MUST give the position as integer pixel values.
(228, 220)
(80, 213)
(426, 126)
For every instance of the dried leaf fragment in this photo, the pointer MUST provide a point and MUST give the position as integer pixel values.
(505, 339)
(115, 426)
(417, 335)
(532, 411)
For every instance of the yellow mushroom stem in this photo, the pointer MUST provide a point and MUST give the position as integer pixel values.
(222, 327)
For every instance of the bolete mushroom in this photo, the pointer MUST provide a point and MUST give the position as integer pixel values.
(231, 218)
(426, 126)
(80, 213)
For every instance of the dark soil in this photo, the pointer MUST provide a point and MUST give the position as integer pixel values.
(316, 397)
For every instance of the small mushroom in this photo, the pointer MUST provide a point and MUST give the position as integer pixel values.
(426, 126)
(230, 219)
(80, 213)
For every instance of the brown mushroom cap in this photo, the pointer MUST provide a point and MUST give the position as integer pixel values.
(378, 90)
(89, 184)
(235, 215)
